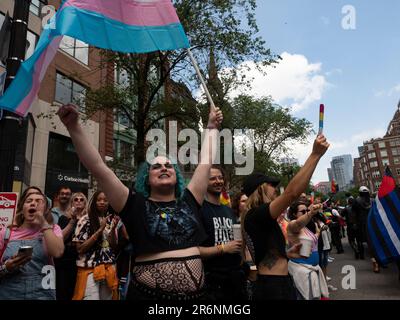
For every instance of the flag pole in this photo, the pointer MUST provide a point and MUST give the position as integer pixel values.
(203, 83)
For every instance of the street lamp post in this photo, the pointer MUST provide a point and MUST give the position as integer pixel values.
(10, 123)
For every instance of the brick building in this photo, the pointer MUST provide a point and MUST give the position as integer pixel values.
(378, 153)
(45, 155)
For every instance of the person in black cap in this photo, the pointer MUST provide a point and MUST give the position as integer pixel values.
(361, 207)
(262, 234)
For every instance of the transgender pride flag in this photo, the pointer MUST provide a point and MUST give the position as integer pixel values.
(136, 26)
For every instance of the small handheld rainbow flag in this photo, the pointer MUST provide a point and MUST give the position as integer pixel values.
(225, 199)
(321, 118)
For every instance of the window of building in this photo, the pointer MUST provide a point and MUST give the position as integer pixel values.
(384, 153)
(381, 145)
(394, 143)
(69, 91)
(370, 147)
(373, 164)
(31, 41)
(2, 18)
(385, 162)
(121, 77)
(372, 155)
(376, 174)
(396, 151)
(396, 160)
(398, 172)
(377, 185)
(36, 7)
(76, 48)
(64, 166)
(122, 119)
(123, 151)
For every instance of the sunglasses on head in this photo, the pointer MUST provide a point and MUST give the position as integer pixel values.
(79, 199)
(304, 211)
(157, 166)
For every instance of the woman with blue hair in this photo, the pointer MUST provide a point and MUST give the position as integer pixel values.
(161, 216)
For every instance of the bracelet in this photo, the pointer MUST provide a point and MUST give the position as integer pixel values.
(3, 269)
(46, 227)
(96, 235)
(211, 127)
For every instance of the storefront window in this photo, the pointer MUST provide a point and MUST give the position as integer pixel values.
(64, 167)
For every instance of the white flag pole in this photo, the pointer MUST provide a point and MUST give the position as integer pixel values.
(203, 83)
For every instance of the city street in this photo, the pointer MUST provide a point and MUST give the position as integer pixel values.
(369, 286)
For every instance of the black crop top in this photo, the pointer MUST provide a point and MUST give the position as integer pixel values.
(263, 234)
(162, 226)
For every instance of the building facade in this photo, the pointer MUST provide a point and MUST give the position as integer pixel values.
(45, 155)
(379, 153)
(323, 187)
(289, 161)
(330, 174)
(342, 171)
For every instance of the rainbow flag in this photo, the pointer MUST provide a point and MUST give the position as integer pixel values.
(136, 26)
(321, 118)
(224, 198)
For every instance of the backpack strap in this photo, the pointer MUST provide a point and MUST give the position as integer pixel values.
(7, 237)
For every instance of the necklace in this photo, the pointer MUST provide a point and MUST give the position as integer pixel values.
(165, 213)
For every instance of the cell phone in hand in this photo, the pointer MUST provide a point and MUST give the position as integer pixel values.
(25, 251)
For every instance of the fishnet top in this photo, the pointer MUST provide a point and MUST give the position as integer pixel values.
(173, 275)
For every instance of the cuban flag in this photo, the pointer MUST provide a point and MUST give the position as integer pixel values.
(135, 26)
(383, 229)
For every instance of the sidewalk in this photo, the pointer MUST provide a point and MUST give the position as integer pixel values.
(369, 286)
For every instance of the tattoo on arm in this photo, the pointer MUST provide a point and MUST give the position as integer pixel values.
(269, 260)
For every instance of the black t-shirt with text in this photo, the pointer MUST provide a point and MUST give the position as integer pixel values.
(218, 221)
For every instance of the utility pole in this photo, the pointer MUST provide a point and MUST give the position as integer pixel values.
(10, 122)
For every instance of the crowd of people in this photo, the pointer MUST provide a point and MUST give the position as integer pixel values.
(163, 240)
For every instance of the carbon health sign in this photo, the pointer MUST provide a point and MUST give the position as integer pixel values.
(8, 208)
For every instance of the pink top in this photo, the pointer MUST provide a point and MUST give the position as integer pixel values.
(27, 234)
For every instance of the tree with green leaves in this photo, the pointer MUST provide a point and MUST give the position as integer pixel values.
(156, 81)
(275, 131)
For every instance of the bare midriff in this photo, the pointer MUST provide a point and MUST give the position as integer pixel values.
(193, 251)
(279, 269)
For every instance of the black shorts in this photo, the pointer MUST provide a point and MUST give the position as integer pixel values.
(274, 288)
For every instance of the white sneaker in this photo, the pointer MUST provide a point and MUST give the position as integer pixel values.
(332, 288)
(328, 278)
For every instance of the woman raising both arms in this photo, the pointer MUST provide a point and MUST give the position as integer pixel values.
(160, 215)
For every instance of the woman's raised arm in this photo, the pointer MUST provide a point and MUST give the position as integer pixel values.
(199, 182)
(116, 191)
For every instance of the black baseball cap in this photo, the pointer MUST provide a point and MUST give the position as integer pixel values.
(256, 179)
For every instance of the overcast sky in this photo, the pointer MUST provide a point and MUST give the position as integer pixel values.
(354, 72)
